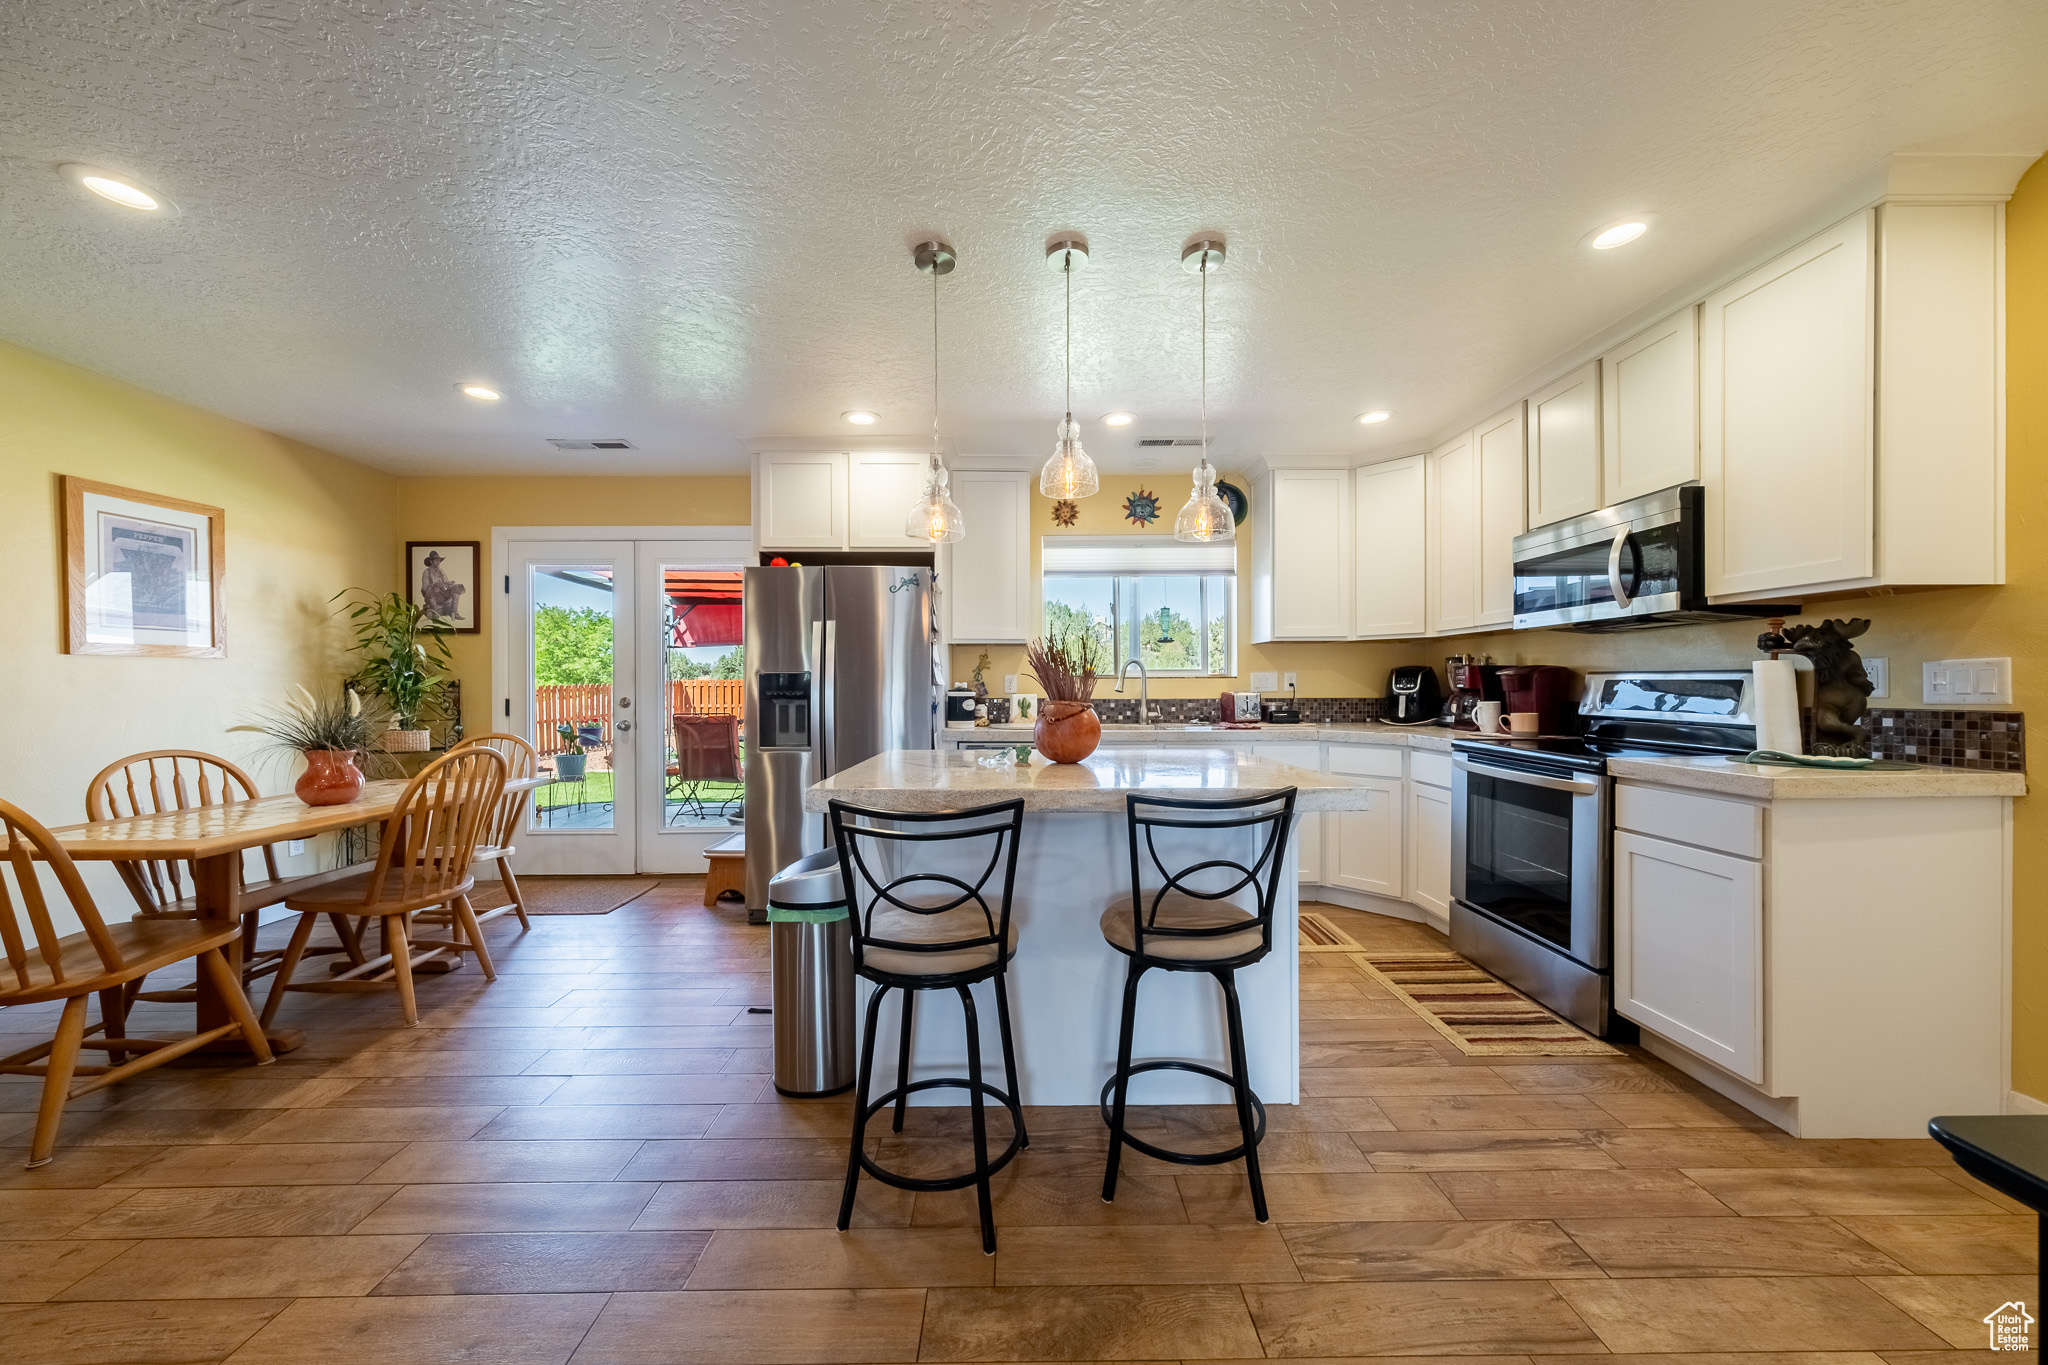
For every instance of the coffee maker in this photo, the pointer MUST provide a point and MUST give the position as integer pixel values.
(1548, 690)
(1413, 697)
(1473, 680)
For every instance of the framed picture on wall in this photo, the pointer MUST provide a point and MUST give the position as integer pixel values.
(443, 576)
(142, 573)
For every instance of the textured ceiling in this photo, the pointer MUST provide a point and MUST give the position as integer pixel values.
(689, 223)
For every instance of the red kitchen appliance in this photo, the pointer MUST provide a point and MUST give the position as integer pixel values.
(1473, 680)
(1550, 691)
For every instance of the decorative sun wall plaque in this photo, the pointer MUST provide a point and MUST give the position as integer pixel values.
(1066, 512)
(142, 573)
(1141, 508)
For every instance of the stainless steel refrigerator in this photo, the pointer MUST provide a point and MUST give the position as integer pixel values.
(839, 669)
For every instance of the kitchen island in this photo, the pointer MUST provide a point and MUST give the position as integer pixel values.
(1074, 861)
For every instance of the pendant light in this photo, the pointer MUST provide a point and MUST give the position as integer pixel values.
(1205, 518)
(935, 516)
(1069, 473)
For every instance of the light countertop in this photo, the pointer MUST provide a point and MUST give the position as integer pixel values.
(1770, 782)
(1175, 733)
(944, 779)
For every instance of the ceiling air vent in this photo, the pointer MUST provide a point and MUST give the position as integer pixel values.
(1171, 441)
(590, 443)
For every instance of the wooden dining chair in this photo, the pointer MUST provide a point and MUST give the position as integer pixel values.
(522, 763)
(423, 861)
(187, 779)
(99, 960)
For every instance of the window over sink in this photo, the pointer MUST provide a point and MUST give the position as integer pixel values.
(1171, 606)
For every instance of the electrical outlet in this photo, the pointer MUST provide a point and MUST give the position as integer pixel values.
(1010, 683)
(1287, 681)
(1265, 682)
(1966, 682)
(1879, 673)
(295, 847)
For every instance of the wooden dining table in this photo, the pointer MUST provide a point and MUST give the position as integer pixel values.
(212, 840)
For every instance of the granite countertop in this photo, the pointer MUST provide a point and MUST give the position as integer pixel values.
(1371, 733)
(943, 779)
(1770, 782)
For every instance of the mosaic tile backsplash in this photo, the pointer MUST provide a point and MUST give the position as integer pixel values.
(1988, 741)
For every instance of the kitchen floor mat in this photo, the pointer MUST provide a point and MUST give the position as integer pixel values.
(1484, 1017)
(582, 895)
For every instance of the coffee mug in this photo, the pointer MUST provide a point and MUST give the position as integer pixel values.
(1523, 723)
(1486, 715)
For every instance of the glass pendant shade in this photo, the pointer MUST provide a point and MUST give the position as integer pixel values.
(1205, 517)
(1069, 473)
(936, 517)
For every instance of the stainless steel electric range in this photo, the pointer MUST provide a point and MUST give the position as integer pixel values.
(1532, 825)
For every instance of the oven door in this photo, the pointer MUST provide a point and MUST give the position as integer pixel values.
(1529, 851)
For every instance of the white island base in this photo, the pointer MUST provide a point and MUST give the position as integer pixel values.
(1066, 984)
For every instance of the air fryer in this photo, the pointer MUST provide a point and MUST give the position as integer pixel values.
(1413, 696)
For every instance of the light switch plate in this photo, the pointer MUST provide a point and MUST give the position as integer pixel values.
(1265, 682)
(1966, 682)
(1879, 673)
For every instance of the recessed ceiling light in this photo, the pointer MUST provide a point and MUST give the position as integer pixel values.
(1118, 419)
(1620, 232)
(483, 393)
(1376, 415)
(860, 418)
(113, 188)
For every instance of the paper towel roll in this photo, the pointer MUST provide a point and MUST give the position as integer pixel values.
(1777, 706)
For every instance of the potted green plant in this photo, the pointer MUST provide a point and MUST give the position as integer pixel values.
(404, 662)
(330, 732)
(569, 763)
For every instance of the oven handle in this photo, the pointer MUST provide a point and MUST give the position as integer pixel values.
(1584, 786)
(1622, 596)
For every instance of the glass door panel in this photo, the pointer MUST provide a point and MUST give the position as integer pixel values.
(573, 677)
(693, 760)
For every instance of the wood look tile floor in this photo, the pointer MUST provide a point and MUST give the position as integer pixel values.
(586, 1162)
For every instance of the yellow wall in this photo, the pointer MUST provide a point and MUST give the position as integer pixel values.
(301, 524)
(468, 509)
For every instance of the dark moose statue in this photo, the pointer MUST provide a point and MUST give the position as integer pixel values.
(1841, 689)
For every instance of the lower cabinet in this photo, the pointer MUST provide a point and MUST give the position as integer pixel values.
(1308, 829)
(1364, 848)
(1429, 848)
(1689, 948)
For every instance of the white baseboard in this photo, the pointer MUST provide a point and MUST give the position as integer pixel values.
(1376, 905)
(2017, 1103)
(1784, 1113)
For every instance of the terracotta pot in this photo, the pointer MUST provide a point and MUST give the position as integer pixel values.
(1067, 731)
(331, 778)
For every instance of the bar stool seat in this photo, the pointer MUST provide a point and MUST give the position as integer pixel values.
(922, 928)
(1189, 918)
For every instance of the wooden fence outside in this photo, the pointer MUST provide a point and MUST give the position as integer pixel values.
(556, 704)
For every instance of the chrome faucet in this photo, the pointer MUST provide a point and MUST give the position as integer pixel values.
(1144, 689)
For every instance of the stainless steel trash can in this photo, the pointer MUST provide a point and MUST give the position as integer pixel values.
(810, 955)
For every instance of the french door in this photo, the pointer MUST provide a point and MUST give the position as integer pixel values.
(610, 661)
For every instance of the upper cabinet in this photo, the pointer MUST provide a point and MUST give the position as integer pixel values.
(1454, 536)
(1564, 447)
(1302, 565)
(1650, 409)
(881, 488)
(800, 501)
(1390, 523)
(1499, 447)
(988, 586)
(1882, 334)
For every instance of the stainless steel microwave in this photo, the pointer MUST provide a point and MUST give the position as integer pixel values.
(1633, 566)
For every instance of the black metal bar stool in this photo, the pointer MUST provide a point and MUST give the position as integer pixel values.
(922, 928)
(1189, 923)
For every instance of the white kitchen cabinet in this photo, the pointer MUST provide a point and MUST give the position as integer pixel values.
(1308, 828)
(1689, 949)
(881, 487)
(1391, 519)
(1429, 848)
(1302, 555)
(1363, 850)
(1453, 537)
(1786, 416)
(1564, 447)
(1500, 450)
(988, 590)
(800, 500)
(1650, 409)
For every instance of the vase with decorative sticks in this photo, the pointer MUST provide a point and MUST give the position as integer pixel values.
(1068, 728)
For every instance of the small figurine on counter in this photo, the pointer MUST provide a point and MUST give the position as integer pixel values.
(1841, 689)
(981, 666)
